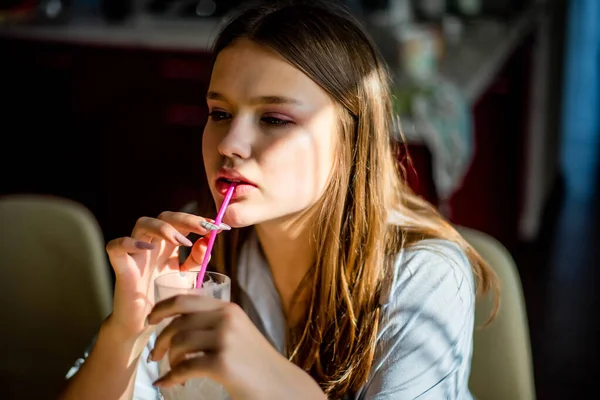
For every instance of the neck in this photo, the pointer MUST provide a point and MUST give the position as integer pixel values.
(290, 253)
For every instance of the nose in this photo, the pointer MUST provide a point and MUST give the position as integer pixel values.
(237, 143)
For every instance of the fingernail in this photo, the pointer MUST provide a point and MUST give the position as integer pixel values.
(183, 240)
(144, 245)
(209, 226)
(224, 227)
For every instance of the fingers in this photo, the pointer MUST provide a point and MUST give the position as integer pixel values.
(191, 368)
(186, 223)
(196, 255)
(197, 343)
(183, 304)
(186, 344)
(206, 315)
(120, 250)
(187, 334)
(156, 228)
(174, 227)
(127, 245)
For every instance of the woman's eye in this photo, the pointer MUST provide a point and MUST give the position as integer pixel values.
(274, 121)
(219, 115)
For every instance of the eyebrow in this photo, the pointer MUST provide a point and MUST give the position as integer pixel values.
(211, 95)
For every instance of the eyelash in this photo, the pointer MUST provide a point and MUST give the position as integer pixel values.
(218, 116)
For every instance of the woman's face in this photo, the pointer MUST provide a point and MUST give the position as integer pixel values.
(271, 128)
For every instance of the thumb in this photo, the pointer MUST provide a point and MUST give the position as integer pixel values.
(194, 260)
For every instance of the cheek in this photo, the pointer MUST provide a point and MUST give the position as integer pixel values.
(299, 167)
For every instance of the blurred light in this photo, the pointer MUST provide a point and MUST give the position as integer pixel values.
(206, 8)
(53, 8)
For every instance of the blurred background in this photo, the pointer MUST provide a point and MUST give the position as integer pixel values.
(498, 101)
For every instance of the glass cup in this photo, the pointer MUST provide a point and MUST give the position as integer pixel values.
(168, 285)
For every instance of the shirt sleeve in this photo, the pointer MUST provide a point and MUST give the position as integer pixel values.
(146, 374)
(425, 339)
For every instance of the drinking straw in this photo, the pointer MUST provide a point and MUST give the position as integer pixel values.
(213, 235)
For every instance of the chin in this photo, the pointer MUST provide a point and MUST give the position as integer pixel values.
(238, 216)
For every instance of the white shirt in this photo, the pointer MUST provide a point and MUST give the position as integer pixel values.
(424, 344)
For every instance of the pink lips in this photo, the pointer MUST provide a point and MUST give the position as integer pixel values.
(224, 179)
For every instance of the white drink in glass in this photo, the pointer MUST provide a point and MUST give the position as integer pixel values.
(171, 284)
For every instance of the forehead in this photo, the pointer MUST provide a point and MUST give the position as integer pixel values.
(246, 69)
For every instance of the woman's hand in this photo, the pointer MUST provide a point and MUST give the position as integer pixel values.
(151, 250)
(234, 352)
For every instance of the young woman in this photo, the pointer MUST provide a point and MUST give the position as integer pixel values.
(346, 284)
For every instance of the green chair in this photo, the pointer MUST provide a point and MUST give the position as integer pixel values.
(55, 291)
(502, 367)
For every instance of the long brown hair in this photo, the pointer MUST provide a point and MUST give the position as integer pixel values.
(355, 244)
